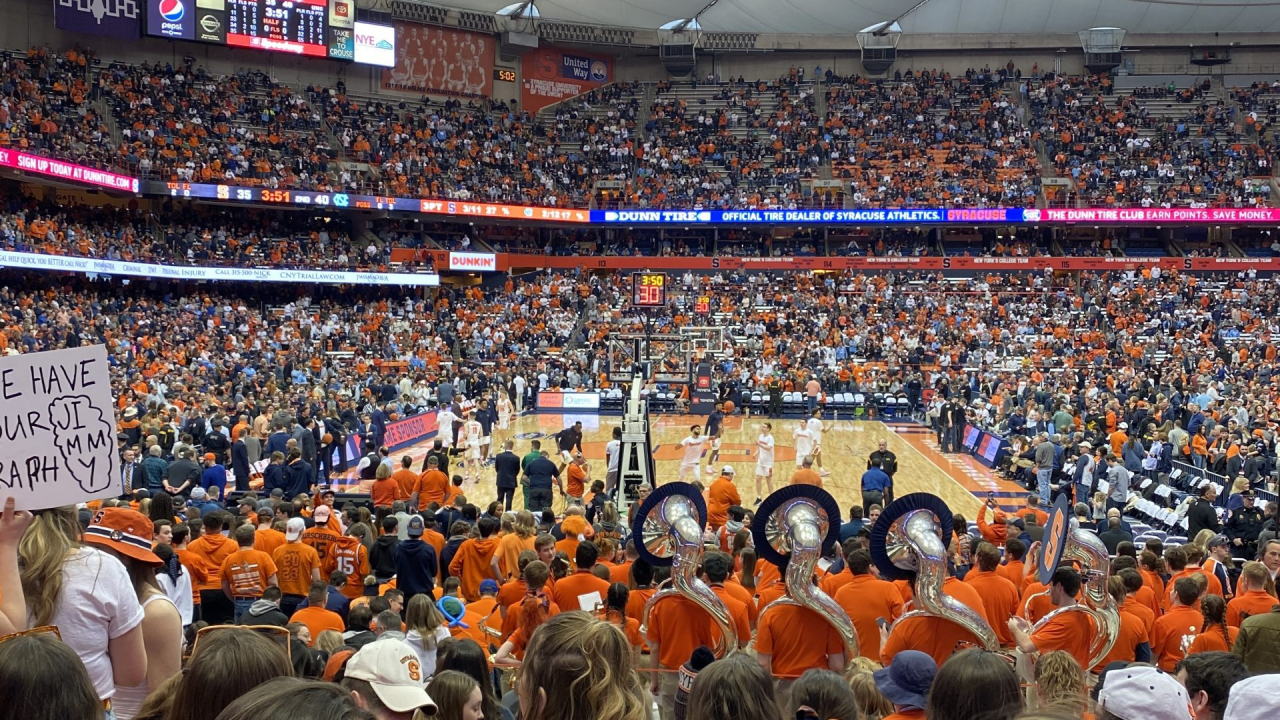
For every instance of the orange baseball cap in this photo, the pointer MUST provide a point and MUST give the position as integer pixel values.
(210, 456)
(123, 530)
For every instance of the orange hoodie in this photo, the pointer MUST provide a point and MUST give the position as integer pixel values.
(352, 558)
(212, 551)
(472, 564)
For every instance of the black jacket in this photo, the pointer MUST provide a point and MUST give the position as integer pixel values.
(240, 464)
(507, 465)
(382, 558)
(1245, 524)
(450, 549)
(1202, 515)
(888, 461)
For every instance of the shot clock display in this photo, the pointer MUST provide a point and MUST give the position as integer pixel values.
(648, 289)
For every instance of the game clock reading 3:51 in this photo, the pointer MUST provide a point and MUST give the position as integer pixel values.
(648, 289)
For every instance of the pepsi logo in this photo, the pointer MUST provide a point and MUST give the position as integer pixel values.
(172, 10)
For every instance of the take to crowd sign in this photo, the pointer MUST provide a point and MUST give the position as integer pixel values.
(57, 428)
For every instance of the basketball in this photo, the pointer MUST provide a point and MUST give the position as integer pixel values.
(327, 438)
(728, 407)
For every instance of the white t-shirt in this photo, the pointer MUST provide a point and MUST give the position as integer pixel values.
(426, 658)
(444, 421)
(692, 449)
(179, 593)
(612, 452)
(98, 604)
(804, 441)
(815, 430)
(765, 444)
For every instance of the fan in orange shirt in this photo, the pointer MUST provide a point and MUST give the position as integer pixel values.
(315, 615)
(474, 562)
(1251, 595)
(1181, 623)
(867, 599)
(352, 558)
(999, 596)
(1069, 631)
(722, 495)
(1215, 635)
(524, 617)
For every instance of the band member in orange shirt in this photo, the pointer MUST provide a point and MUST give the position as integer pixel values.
(1069, 631)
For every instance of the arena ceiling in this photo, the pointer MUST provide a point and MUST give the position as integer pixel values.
(825, 17)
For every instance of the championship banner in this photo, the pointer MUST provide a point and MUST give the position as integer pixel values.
(433, 60)
(60, 429)
(552, 74)
(116, 18)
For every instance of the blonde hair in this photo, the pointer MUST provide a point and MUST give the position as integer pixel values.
(52, 536)
(383, 472)
(329, 641)
(1060, 681)
(525, 525)
(871, 703)
(1202, 539)
(584, 666)
(421, 615)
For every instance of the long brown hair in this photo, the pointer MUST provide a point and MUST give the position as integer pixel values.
(450, 691)
(584, 668)
(42, 679)
(53, 535)
(735, 688)
(421, 615)
(225, 665)
(1214, 610)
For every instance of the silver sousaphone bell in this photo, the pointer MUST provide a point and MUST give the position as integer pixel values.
(668, 532)
(796, 525)
(911, 538)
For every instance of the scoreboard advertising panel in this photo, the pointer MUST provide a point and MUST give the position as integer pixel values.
(314, 28)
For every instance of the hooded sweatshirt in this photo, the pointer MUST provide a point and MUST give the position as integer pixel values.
(213, 550)
(473, 563)
(416, 567)
(450, 549)
(264, 612)
(382, 558)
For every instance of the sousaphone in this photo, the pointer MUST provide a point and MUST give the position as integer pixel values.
(797, 525)
(910, 539)
(668, 532)
(1064, 539)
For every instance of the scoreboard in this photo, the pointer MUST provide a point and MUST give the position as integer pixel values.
(315, 28)
(648, 289)
(292, 26)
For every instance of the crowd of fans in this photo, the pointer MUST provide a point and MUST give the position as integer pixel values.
(931, 139)
(1119, 151)
(921, 138)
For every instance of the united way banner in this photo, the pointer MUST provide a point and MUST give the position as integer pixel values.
(117, 18)
(552, 74)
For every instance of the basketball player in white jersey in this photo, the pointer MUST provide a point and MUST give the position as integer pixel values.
(816, 429)
(764, 460)
(473, 437)
(444, 423)
(803, 439)
(693, 446)
(504, 414)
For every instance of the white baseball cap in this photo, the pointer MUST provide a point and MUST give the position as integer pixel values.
(1254, 698)
(727, 470)
(1144, 693)
(294, 529)
(391, 667)
(1124, 426)
(321, 515)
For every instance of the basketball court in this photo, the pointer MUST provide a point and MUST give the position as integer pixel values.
(959, 480)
